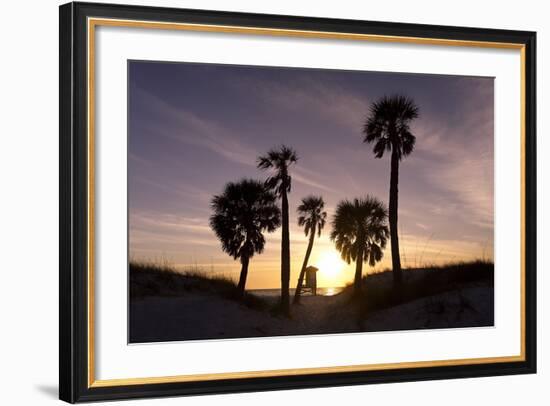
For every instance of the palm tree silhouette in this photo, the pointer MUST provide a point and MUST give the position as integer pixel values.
(280, 160)
(242, 213)
(312, 218)
(360, 233)
(388, 127)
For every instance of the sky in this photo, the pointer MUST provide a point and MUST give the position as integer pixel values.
(195, 127)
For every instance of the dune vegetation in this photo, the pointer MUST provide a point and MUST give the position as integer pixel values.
(162, 279)
(167, 304)
(423, 282)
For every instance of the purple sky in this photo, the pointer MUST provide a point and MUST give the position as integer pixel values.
(195, 127)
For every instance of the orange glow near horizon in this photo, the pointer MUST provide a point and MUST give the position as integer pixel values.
(264, 270)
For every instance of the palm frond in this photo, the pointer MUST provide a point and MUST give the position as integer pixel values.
(360, 225)
(388, 125)
(311, 215)
(279, 160)
(241, 213)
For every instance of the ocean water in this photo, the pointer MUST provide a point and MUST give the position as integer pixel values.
(277, 292)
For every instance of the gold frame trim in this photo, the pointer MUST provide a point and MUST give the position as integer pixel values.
(94, 22)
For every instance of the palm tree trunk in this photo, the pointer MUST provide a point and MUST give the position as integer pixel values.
(357, 285)
(285, 256)
(394, 181)
(244, 274)
(304, 265)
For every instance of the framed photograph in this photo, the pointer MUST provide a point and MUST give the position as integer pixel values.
(257, 202)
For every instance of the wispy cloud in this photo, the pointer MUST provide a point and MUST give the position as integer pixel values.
(181, 190)
(465, 175)
(192, 130)
(187, 127)
(328, 101)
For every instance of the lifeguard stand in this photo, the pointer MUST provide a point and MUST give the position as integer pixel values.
(310, 283)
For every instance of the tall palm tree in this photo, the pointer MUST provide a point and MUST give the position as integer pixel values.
(388, 127)
(313, 219)
(360, 233)
(280, 160)
(242, 213)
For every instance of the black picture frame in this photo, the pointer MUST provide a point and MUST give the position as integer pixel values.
(74, 385)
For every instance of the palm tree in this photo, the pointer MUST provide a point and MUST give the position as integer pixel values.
(388, 127)
(280, 160)
(312, 218)
(360, 233)
(242, 213)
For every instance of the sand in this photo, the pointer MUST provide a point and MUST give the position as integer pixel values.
(198, 315)
(469, 307)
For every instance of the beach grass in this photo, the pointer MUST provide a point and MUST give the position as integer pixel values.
(379, 293)
(163, 279)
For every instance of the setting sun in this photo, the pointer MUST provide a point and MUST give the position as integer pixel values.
(330, 264)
